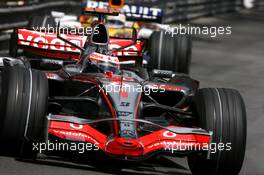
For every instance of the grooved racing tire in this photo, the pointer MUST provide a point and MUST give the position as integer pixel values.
(223, 112)
(170, 53)
(42, 21)
(23, 106)
(36, 22)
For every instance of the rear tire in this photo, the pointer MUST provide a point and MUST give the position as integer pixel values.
(42, 21)
(36, 22)
(23, 106)
(170, 53)
(223, 112)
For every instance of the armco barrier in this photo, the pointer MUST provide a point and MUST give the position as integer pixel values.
(259, 4)
(174, 10)
(10, 16)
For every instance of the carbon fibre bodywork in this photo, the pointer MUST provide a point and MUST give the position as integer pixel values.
(131, 121)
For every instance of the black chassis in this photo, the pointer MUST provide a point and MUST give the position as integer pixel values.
(76, 93)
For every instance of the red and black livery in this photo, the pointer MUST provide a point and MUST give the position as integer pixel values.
(69, 94)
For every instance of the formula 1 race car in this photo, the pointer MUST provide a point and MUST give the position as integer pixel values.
(159, 45)
(148, 21)
(124, 112)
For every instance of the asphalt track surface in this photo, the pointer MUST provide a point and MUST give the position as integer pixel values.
(233, 61)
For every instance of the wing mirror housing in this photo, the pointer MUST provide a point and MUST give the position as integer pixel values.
(100, 35)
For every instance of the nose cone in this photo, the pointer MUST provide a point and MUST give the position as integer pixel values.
(124, 147)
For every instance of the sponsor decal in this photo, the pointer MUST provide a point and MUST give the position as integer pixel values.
(74, 134)
(133, 11)
(104, 58)
(129, 51)
(54, 62)
(124, 104)
(169, 134)
(51, 42)
(76, 126)
(48, 41)
(124, 113)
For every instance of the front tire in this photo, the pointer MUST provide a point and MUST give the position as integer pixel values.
(223, 112)
(170, 53)
(23, 105)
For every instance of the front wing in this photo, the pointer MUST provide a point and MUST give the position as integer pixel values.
(172, 139)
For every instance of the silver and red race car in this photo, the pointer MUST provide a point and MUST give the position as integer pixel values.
(147, 22)
(81, 91)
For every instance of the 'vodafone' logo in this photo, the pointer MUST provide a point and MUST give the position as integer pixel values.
(76, 126)
(50, 42)
(169, 134)
(129, 51)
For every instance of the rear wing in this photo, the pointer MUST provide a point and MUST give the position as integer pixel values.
(47, 44)
(132, 12)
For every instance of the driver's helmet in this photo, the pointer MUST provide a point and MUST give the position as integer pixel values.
(102, 57)
(105, 62)
(116, 21)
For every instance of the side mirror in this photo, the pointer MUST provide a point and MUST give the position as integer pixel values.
(116, 3)
(100, 35)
